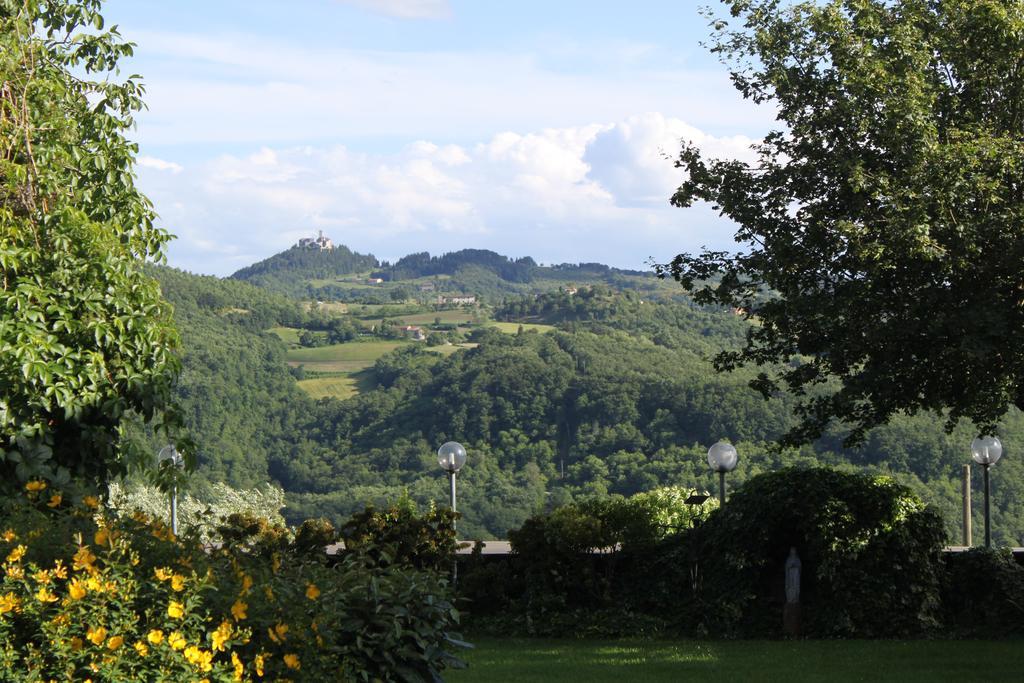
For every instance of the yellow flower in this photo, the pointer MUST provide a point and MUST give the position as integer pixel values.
(102, 536)
(9, 535)
(177, 582)
(269, 592)
(35, 485)
(246, 583)
(221, 635)
(175, 610)
(83, 559)
(163, 573)
(155, 637)
(115, 642)
(312, 592)
(201, 659)
(278, 632)
(176, 641)
(9, 602)
(292, 661)
(141, 648)
(239, 667)
(17, 553)
(42, 576)
(44, 595)
(76, 643)
(91, 502)
(96, 635)
(55, 500)
(238, 610)
(15, 571)
(258, 663)
(61, 620)
(76, 589)
(59, 570)
(94, 584)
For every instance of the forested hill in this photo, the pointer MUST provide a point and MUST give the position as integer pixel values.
(340, 274)
(618, 397)
(290, 271)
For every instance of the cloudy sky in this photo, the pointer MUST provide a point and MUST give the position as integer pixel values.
(530, 128)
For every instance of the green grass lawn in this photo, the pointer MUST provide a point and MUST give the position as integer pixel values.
(593, 661)
(352, 351)
(289, 335)
(348, 367)
(512, 328)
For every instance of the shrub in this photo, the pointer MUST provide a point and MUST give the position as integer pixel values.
(565, 571)
(983, 593)
(398, 534)
(868, 546)
(85, 597)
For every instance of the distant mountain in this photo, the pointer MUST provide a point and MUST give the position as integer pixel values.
(308, 272)
(290, 272)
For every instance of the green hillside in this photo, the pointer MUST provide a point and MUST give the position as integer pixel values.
(341, 275)
(616, 397)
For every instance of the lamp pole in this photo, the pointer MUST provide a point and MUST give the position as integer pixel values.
(171, 453)
(986, 451)
(451, 456)
(722, 457)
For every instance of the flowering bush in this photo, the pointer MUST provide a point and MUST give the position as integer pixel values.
(87, 598)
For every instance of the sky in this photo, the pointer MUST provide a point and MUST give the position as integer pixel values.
(543, 129)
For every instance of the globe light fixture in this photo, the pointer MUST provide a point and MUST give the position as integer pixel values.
(722, 457)
(170, 454)
(986, 451)
(451, 457)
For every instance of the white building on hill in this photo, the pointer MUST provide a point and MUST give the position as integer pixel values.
(321, 242)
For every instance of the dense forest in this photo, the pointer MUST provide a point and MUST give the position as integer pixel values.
(618, 398)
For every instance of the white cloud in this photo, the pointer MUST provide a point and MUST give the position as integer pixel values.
(406, 9)
(159, 164)
(228, 89)
(594, 193)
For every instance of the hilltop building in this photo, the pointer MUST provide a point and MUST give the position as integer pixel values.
(321, 242)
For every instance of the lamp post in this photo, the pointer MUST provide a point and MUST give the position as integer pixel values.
(451, 456)
(723, 458)
(171, 453)
(986, 451)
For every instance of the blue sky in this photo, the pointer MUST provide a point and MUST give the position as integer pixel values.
(395, 126)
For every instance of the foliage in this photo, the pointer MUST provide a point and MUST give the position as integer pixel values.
(883, 217)
(125, 600)
(577, 564)
(868, 546)
(398, 534)
(200, 513)
(84, 335)
(983, 593)
(620, 400)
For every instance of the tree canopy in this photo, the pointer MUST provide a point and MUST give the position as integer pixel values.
(84, 334)
(881, 223)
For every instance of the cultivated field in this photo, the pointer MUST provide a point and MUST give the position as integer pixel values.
(346, 369)
(512, 328)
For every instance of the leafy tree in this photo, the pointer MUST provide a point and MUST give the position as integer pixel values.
(84, 334)
(882, 222)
